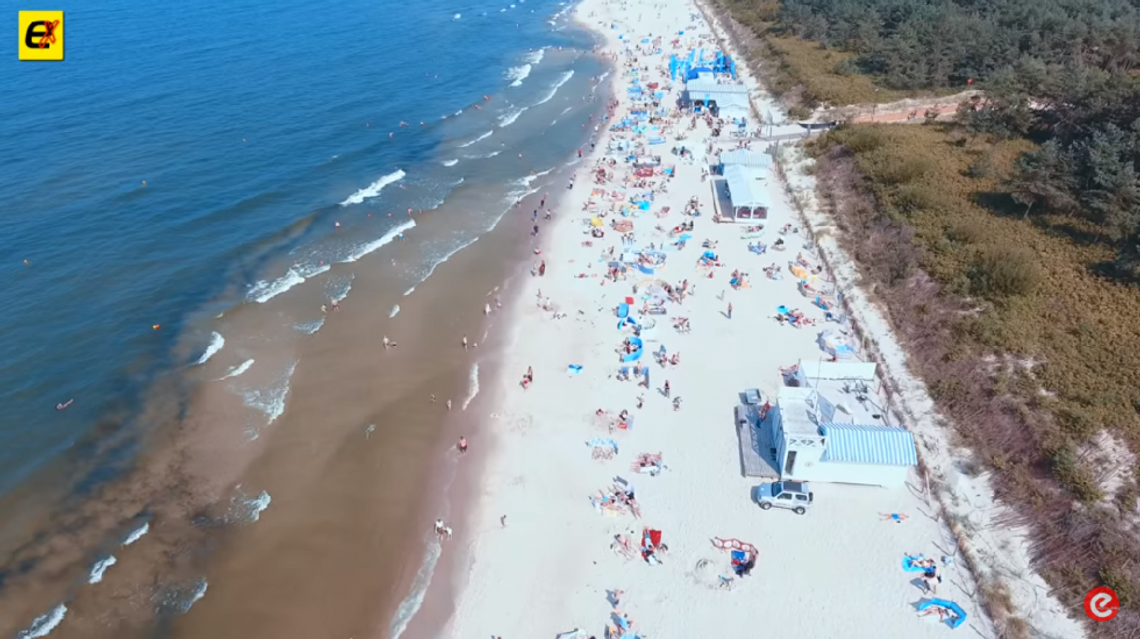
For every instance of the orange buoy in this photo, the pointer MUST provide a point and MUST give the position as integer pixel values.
(155, 327)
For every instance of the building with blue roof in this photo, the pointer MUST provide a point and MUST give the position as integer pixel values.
(850, 442)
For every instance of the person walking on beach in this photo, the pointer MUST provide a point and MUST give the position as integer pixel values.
(387, 343)
(464, 342)
(503, 521)
(462, 445)
(729, 310)
(667, 389)
(542, 268)
(449, 404)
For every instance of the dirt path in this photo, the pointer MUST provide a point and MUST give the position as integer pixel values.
(901, 112)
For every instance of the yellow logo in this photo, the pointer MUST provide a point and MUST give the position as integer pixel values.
(41, 35)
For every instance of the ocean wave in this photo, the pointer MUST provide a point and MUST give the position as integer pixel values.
(557, 85)
(481, 137)
(485, 156)
(265, 290)
(534, 57)
(450, 254)
(472, 385)
(509, 117)
(338, 288)
(528, 180)
(271, 400)
(215, 345)
(99, 568)
(387, 238)
(372, 190)
(415, 599)
(137, 533)
(246, 509)
(240, 368)
(450, 162)
(310, 328)
(460, 181)
(179, 599)
(518, 74)
(394, 312)
(42, 625)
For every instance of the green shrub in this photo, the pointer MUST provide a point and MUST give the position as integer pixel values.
(899, 170)
(1077, 423)
(914, 197)
(1074, 476)
(1000, 272)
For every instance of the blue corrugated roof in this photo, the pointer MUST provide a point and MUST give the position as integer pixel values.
(884, 445)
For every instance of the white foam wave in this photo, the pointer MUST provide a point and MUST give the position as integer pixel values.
(137, 533)
(99, 568)
(450, 162)
(485, 156)
(415, 599)
(372, 190)
(472, 385)
(518, 74)
(264, 290)
(460, 181)
(481, 137)
(198, 592)
(337, 288)
(387, 238)
(446, 257)
(271, 400)
(509, 117)
(395, 311)
(215, 345)
(243, 367)
(42, 625)
(563, 80)
(565, 111)
(246, 509)
(534, 57)
(528, 180)
(310, 328)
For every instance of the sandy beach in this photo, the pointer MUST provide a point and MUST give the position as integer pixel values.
(534, 557)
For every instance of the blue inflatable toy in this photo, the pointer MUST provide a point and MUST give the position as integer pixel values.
(960, 615)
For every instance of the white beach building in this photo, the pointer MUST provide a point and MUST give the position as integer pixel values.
(747, 194)
(746, 158)
(816, 439)
(728, 100)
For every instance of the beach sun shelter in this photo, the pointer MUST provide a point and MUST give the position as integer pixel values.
(814, 444)
(747, 193)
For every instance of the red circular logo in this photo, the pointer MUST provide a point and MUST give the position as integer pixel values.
(1102, 604)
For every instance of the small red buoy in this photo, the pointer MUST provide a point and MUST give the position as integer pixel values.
(155, 327)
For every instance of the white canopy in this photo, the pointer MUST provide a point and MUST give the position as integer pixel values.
(746, 187)
(746, 157)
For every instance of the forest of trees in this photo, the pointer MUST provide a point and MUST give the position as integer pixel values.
(1065, 73)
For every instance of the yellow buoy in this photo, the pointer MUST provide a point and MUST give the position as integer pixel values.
(156, 327)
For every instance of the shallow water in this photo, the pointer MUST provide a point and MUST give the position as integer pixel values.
(183, 315)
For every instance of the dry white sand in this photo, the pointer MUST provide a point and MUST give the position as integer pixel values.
(834, 572)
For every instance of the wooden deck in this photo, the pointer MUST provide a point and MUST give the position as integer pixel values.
(756, 458)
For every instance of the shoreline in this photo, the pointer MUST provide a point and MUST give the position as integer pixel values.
(452, 572)
(549, 571)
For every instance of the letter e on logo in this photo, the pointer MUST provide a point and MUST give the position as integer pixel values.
(41, 35)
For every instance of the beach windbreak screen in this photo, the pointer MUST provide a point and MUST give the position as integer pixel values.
(213, 214)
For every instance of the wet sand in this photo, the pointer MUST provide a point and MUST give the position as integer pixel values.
(314, 524)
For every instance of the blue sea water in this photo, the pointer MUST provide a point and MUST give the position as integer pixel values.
(154, 176)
